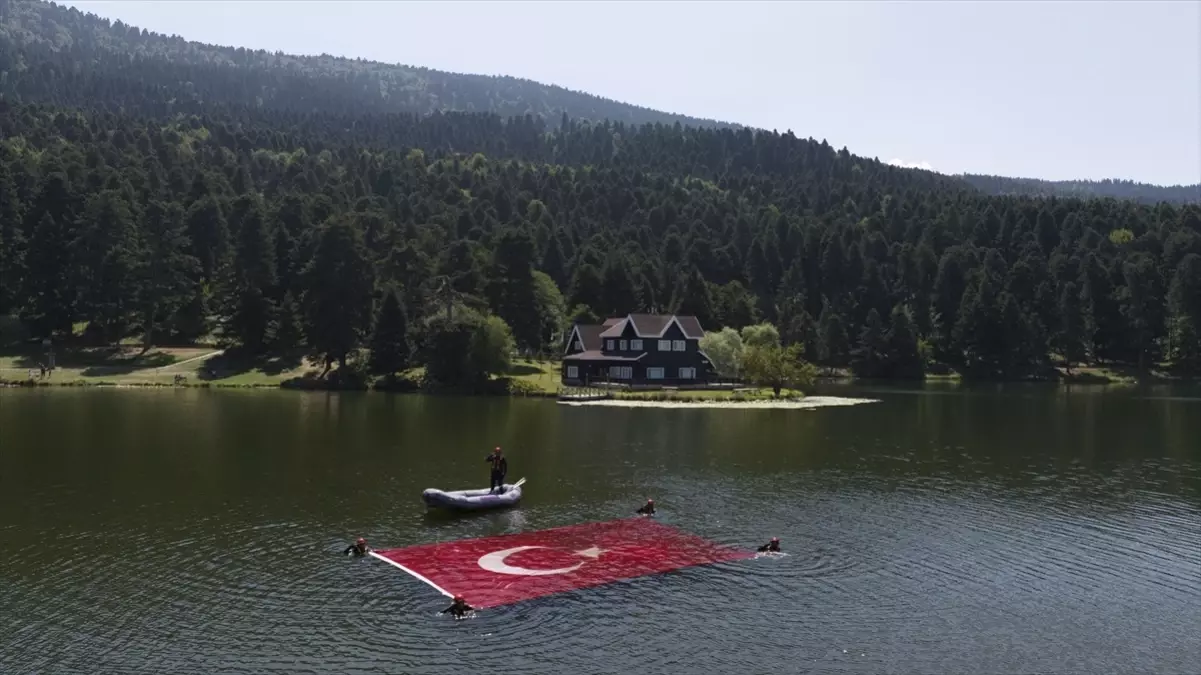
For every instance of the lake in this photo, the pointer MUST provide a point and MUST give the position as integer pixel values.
(990, 529)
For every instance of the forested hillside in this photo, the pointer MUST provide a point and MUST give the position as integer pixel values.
(281, 229)
(68, 55)
(1118, 189)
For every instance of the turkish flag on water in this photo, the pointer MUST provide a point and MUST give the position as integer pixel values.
(513, 567)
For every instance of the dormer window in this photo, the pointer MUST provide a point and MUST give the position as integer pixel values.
(623, 346)
(665, 345)
(636, 345)
(677, 345)
(609, 345)
(579, 346)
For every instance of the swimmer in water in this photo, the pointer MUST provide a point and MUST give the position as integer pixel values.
(458, 608)
(772, 546)
(648, 510)
(358, 549)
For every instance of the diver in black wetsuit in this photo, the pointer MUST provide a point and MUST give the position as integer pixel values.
(500, 467)
(458, 608)
(358, 549)
(648, 509)
(772, 546)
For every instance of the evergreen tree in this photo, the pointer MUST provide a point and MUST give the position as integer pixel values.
(870, 356)
(1141, 303)
(691, 296)
(168, 273)
(49, 306)
(338, 286)
(208, 236)
(1184, 302)
(835, 343)
(12, 244)
(250, 283)
(288, 332)
(106, 255)
(904, 358)
(618, 292)
(1069, 340)
(390, 340)
(512, 286)
(587, 288)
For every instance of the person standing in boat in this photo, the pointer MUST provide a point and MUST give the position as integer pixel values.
(500, 467)
(358, 549)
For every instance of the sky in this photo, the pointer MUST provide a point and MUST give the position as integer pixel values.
(1053, 90)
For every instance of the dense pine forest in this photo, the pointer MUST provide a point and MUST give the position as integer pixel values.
(156, 188)
(1120, 189)
(79, 52)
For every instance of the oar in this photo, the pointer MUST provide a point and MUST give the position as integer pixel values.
(519, 483)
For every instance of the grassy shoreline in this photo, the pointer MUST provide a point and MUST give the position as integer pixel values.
(207, 366)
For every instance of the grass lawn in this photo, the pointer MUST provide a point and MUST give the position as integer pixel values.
(127, 365)
(540, 377)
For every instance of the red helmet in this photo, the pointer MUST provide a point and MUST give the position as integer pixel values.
(360, 540)
(458, 598)
(649, 500)
(497, 449)
(775, 539)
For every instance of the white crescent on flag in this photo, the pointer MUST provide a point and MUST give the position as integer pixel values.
(495, 562)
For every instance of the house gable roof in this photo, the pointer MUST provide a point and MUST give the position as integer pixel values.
(589, 336)
(654, 326)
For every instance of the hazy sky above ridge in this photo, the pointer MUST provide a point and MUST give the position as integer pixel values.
(1054, 90)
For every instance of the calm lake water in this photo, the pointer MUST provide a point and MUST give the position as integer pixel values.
(1008, 529)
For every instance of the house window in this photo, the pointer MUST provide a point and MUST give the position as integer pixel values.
(621, 372)
(579, 346)
(573, 372)
(623, 345)
(688, 373)
(609, 345)
(665, 345)
(636, 345)
(654, 373)
(677, 345)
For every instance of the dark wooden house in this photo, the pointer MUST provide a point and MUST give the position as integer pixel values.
(639, 349)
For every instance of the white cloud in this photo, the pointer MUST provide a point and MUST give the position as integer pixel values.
(911, 165)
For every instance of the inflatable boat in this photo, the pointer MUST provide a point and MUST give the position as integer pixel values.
(474, 500)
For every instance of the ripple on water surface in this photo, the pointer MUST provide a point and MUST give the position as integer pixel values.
(900, 557)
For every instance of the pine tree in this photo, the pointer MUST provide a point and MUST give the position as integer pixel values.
(208, 237)
(904, 359)
(511, 288)
(870, 355)
(835, 344)
(620, 294)
(105, 256)
(250, 284)
(692, 297)
(338, 286)
(1184, 302)
(12, 243)
(168, 273)
(587, 288)
(1069, 339)
(49, 306)
(288, 333)
(389, 340)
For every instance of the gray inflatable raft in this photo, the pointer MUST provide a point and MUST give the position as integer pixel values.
(473, 500)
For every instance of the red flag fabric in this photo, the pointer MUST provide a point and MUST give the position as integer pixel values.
(511, 568)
